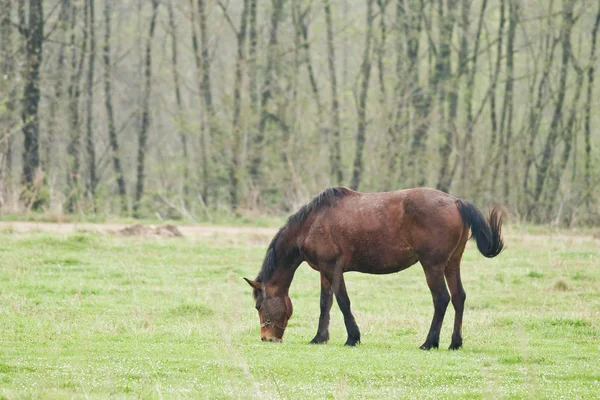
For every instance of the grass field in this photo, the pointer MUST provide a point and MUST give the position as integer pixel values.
(95, 315)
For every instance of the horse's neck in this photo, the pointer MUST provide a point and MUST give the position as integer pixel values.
(287, 260)
(281, 280)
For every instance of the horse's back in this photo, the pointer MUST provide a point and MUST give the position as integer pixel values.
(407, 208)
(384, 232)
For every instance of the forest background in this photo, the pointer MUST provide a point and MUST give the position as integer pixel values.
(193, 109)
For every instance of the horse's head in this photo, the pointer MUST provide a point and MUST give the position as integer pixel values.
(274, 310)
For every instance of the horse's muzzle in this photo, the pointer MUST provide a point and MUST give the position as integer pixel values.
(271, 339)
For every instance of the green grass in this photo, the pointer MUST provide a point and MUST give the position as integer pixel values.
(97, 316)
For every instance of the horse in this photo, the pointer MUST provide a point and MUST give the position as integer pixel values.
(343, 230)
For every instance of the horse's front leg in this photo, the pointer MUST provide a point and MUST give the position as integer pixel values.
(322, 335)
(339, 289)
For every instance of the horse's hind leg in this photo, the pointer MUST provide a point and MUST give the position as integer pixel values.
(457, 291)
(434, 272)
(339, 289)
(326, 301)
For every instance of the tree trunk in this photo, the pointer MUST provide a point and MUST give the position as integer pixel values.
(206, 86)
(252, 70)
(386, 111)
(493, 109)
(444, 81)
(112, 132)
(52, 135)
(546, 160)
(202, 65)
(206, 92)
(536, 113)
(234, 169)
(362, 101)
(143, 135)
(568, 136)
(398, 115)
(302, 27)
(73, 147)
(506, 121)
(179, 122)
(7, 74)
(336, 145)
(381, 53)
(267, 92)
(92, 181)
(31, 94)
(467, 158)
(420, 97)
(588, 109)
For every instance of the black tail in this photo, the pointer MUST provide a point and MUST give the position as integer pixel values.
(488, 234)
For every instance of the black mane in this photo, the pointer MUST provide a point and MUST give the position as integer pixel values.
(325, 197)
(268, 267)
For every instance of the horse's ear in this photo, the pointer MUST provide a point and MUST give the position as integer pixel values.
(254, 284)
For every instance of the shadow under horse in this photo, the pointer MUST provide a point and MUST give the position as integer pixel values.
(342, 230)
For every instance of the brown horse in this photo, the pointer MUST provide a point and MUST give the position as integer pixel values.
(342, 230)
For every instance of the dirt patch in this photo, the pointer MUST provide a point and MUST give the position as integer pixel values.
(574, 238)
(166, 230)
(255, 235)
(261, 234)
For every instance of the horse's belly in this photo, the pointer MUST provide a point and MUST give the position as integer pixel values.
(383, 263)
(384, 270)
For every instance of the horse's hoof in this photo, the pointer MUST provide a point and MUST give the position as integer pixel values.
(352, 342)
(319, 340)
(455, 346)
(428, 346)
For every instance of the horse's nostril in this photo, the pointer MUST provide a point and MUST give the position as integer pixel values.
(273, 339)
(264, 339)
